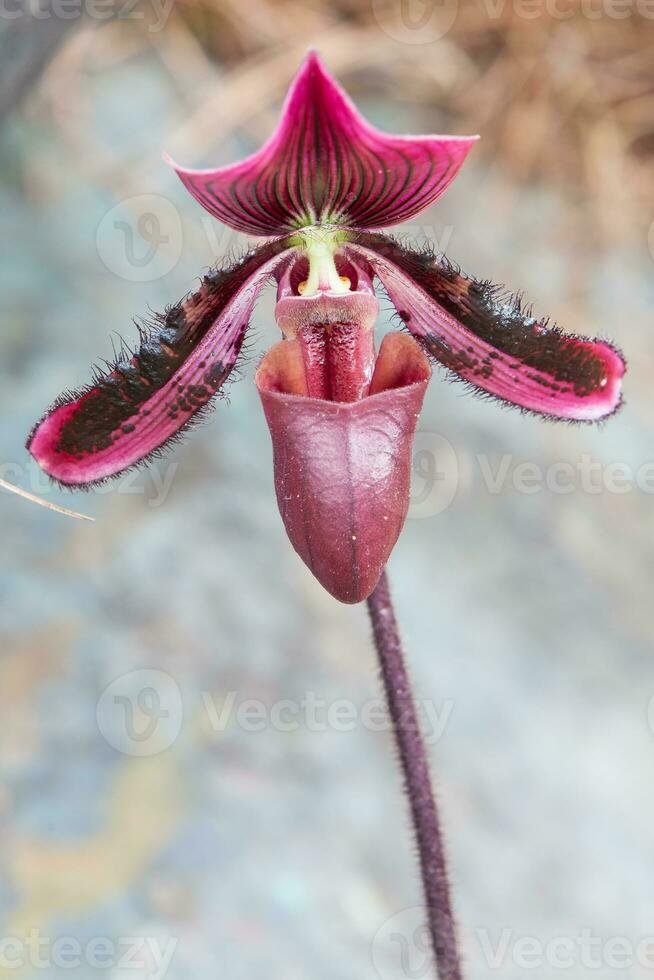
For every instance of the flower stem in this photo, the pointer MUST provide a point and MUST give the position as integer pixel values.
(417, 781)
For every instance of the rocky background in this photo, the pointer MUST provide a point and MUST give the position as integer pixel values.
(197, 776)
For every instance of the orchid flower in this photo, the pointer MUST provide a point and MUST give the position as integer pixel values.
(342, 416)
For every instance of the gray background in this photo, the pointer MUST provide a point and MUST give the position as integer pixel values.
(526, 615)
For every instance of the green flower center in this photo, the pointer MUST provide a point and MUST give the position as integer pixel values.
(319, 243)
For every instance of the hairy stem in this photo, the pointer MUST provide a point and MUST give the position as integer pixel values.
(417, 781)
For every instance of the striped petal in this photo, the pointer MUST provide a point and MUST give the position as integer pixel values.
(488, 338)
(326, 163)
(148, 397)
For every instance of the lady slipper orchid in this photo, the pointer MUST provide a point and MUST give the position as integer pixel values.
(341, 416)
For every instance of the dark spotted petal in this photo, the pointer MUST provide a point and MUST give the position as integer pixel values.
(147, 398)
(326, 163)
(490, 340)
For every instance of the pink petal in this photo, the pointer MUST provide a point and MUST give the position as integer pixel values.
(151, 396)
(342, 470)
(490, 340)
(326, 163)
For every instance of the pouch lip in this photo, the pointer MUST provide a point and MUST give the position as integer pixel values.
(393, 344)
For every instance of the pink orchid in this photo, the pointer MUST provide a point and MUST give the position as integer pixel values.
(342, 417)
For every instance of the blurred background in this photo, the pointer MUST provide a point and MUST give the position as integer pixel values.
(197, 777)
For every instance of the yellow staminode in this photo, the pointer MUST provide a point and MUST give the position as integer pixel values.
(320, 246)
(302, 288)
